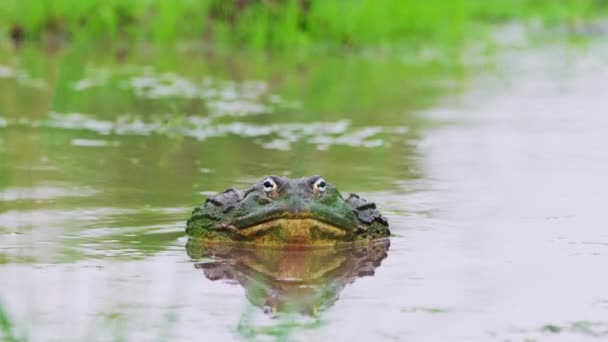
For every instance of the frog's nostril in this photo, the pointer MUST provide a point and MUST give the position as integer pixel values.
(262, 200)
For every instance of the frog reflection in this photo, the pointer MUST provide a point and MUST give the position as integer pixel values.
(289, 280)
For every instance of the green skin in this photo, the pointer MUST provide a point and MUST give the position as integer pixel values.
(310, 200)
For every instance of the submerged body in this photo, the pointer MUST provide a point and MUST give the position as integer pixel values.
(283, 211)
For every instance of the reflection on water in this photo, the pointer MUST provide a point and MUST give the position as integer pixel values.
(289, 280)
(101, 162)
(494, 185)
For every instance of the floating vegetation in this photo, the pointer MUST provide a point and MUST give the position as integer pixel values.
(593, 329)
(430, 310)
(94, 143)
(6, 72)
(222, 98)
(21, 77)
(96, 77)
(271, 136)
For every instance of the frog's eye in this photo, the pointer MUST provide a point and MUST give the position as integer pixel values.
(320, 185)
(269, 184)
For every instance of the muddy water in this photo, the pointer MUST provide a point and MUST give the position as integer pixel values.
(493, 180)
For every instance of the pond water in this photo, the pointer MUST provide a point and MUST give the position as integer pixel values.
(492, 176)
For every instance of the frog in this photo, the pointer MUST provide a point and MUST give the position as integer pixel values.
(283, 211)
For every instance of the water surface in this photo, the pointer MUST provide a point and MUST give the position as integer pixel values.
(493, 180)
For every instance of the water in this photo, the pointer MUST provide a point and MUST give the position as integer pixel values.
(493, 180)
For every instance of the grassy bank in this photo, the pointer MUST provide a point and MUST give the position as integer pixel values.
(280, 24)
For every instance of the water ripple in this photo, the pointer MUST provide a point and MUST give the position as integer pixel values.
(44, 193)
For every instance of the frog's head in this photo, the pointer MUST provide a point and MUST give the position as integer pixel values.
(280, 210)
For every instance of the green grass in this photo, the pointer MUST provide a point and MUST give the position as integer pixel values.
(284, 24)
(6, 328)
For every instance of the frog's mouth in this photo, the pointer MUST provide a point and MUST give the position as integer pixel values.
(303, 231)
(296, 222)
(297, 216)
(296, 226)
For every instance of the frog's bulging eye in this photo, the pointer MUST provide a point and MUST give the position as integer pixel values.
(269, 184)
(320, 184)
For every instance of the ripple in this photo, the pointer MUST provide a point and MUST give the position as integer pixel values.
(44, 193)
(129, 242)
(18, 219)
(134, 231)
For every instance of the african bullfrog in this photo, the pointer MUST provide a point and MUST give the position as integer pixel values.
(283, 211)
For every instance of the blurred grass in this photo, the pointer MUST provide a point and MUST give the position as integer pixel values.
(282, 328)
(6, 327)
(283, 24)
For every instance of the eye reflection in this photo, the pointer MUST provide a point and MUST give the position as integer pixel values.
(269, 184)
(320, 184)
